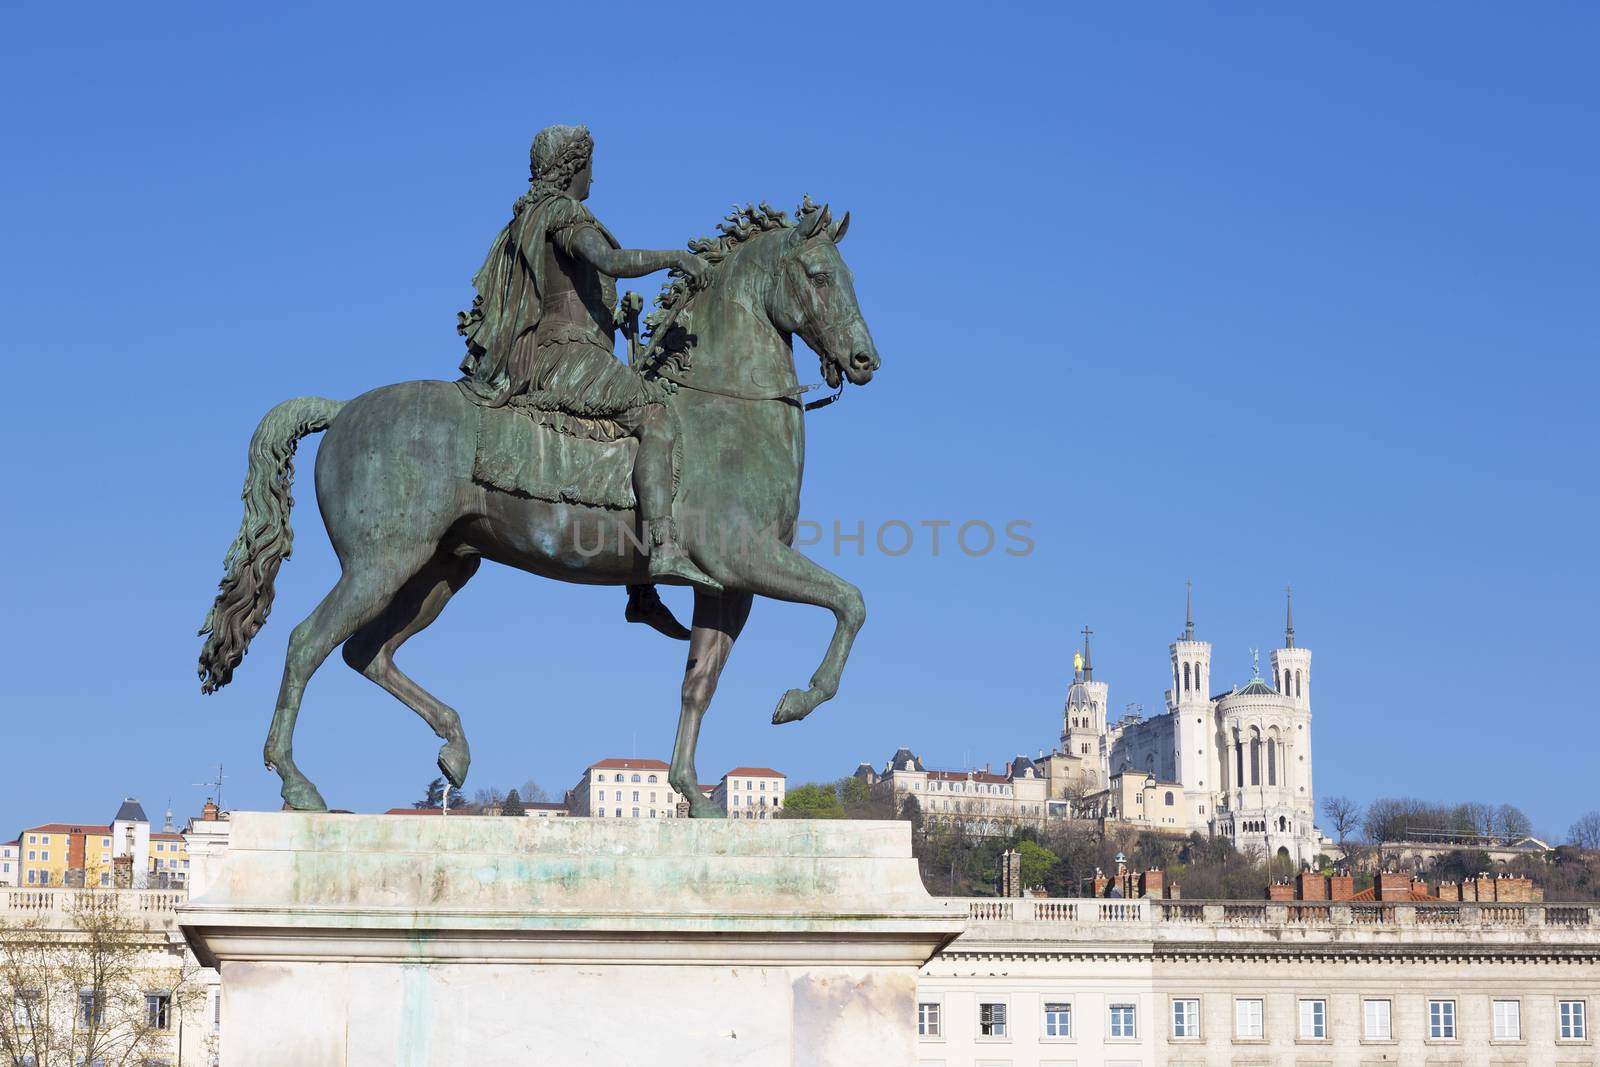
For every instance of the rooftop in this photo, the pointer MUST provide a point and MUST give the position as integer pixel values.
(755, 772)
(630, 765)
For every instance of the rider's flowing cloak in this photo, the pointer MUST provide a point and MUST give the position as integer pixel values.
(510, 284)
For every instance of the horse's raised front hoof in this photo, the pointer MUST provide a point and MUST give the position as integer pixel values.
(795, 705)
(303, 796)
(703, 807)
(454, 759)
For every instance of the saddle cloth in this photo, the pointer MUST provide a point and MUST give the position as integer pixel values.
(550, 455)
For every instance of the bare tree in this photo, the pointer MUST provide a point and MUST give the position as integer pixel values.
(1585, 833)
(533, 793)
(1344, 815)
(93, 985)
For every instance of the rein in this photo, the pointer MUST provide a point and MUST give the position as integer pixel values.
(787, 394)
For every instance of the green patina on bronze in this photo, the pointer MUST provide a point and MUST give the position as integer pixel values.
(708, 409)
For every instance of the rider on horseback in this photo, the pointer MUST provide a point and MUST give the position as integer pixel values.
(543, 325)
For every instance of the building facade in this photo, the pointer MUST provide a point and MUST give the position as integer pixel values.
(624, 789)
(750, 793)
(60, 854)
(1152, 983)
(981, 801)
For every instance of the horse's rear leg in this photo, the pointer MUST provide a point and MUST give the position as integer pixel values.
(371, 651)
(717, 622)
(362, 592)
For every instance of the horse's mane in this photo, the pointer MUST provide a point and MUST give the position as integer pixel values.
(738, 227)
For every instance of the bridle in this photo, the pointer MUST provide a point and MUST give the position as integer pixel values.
(826, 327)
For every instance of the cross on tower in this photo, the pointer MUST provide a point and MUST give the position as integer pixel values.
(1088, 664)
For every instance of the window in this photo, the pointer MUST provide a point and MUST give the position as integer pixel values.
(1247, 1019)
(929, 1022)
(992, 1020)
(1376, 1014)
(635, 813)
(91, 1007)
(636, 777)
(1122, 1021)
(1508, 1020)
(158, 1010)
(636, 796)
(23, 1007)
(1573, 1027)
(1313, 1020)
(652, 779)
(1442, 1020)
(1186, 1018)
(1169, 798)
(1057, 1020)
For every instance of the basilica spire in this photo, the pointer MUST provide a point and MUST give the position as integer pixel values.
(1288, 620)
(1088, 664)
(1188, 612)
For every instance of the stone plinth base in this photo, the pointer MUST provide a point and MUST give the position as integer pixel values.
(434, 941)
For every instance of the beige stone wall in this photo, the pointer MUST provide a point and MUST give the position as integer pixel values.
(1092, 955)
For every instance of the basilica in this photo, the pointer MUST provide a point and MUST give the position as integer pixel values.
(1234, 763)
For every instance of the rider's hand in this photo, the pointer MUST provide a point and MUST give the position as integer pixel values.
(696, 269)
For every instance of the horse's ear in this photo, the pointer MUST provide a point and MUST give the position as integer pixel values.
(813, 222)
(839, 230)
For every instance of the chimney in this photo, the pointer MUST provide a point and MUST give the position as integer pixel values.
(122, 871)
(1313, 886)
(210, 812)
(1341, 885)
(1419, 887)
(1100, 882)
(1449, 891)
(1152, 882)
(1392, 886)
(1483, 885)
(1280, 890)
(1174, 891)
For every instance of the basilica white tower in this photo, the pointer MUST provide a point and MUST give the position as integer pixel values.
(1083, 725)
(1291, 674)
(1189, 702)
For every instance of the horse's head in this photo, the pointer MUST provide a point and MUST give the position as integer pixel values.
(816, 299)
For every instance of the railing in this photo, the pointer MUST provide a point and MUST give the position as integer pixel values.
(1568, 917)
(21, 903)
(1094, 913)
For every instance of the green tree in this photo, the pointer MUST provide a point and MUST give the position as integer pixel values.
(1036, 862)
(434, 797)
(513, 804)
(812, 801)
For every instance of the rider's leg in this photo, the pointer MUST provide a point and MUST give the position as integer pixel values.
(652, 485)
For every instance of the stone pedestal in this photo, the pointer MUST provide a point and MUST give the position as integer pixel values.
(434, 941)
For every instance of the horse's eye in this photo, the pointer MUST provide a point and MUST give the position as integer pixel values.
(821, 280)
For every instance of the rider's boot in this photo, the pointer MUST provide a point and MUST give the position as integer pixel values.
(646, 607)
(670, 563)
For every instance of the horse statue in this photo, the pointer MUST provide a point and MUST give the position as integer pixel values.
(400, 481)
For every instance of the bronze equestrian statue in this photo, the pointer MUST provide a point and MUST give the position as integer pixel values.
(417, 482)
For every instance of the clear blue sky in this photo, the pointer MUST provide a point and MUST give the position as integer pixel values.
(1249, 295)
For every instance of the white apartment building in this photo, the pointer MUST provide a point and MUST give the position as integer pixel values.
(9, 867)
(1168, 983)
(624, 789)
(982, 801)
(750, 793)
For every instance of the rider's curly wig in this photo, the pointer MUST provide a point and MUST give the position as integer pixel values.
(558, 153)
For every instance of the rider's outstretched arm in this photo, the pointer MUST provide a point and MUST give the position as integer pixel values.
(589, 246)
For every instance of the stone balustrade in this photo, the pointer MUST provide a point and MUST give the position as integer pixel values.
(158, 906)
(1181, 920)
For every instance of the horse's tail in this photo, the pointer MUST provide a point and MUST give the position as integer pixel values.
(244, 595)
